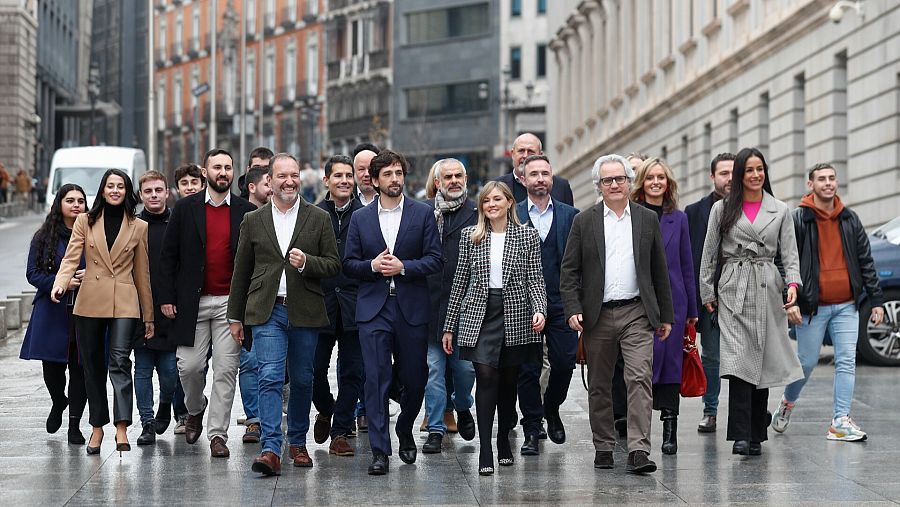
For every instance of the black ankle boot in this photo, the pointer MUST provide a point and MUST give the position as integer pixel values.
(54, 420)
(148, 435)
(504, 451)
(163, 417)
(75, 436)
(670, 431)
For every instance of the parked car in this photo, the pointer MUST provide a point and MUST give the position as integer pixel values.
(880, 345)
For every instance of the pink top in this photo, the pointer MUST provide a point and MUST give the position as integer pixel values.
(751, 209)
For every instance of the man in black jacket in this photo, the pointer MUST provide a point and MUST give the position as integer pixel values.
(698, 219)
(335, 417)
(159, 351)
(198, 261)
(454, 211)
(523, 147)
(835, 266)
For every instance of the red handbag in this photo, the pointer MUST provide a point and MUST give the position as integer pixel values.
(693, 380)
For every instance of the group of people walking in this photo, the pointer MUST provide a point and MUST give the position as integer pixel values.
(425, 300)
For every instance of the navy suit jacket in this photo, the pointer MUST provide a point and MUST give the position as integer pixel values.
(560, 192)
(698, 219)
(417, 245)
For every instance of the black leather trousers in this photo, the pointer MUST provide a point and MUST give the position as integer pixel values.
(92, 334)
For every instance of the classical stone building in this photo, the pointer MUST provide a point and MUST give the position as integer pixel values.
(688, 79)
(18, 59)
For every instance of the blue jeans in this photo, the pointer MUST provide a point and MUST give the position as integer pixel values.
(248, 379)
(463, 373)
(709, 356)
(275, 342)
(166, 369)
(842, 323)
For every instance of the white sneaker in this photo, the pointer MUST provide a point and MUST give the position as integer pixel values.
(845, 430)
(782, 417)
(393, 408)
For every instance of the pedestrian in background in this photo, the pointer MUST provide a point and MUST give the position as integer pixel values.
(498, 281)
(4, 184)
(655, 187)
(50, 336)
(114, 295)
(747, 230)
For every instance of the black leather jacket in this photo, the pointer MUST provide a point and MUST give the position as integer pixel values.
(856, 252)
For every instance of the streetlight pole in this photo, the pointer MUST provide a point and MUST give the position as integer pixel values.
(213, 81)
(151, 89)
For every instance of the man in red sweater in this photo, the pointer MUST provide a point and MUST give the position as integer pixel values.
(198, 260)
(835, 266)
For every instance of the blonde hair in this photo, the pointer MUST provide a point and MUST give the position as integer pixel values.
(483, 227)
(670, 198)
(430, 186)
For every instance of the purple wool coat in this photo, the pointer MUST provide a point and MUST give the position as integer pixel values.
(668, 355)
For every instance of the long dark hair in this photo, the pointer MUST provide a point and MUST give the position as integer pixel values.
(734, 202)
(53, 228)
(100, 202)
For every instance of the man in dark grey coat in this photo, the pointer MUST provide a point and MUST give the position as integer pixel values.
(615, 290)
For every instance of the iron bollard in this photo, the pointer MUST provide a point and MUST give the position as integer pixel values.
(3, 330)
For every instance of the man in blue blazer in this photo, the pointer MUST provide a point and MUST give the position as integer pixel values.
(553, 220)
(392, 247)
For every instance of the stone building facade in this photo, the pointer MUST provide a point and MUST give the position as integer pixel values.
(18, 59)
(687, 80)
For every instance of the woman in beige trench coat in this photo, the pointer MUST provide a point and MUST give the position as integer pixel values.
(752, 228)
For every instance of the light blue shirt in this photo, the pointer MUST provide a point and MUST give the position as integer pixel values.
(542, 221)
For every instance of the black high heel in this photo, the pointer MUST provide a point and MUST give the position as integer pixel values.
(122, 447)
(93, 450)
(504, 451)
(485, 463)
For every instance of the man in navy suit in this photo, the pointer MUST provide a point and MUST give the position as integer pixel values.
(391, 248)
(553, 220)
(523, 147)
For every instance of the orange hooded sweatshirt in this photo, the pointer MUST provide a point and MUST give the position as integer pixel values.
(834, 280)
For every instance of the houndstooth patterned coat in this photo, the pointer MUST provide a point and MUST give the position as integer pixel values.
(754, 343)
(524, 293)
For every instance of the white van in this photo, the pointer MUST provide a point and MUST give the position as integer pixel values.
(85, 166)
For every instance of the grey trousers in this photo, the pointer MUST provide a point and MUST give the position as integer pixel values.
(628, 328)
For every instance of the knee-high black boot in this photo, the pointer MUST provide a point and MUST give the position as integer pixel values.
(670, 430)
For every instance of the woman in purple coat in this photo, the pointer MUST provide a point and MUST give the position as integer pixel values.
(50, 336)
(655, 188)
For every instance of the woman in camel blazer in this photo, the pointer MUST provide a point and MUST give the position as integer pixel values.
(114, 294)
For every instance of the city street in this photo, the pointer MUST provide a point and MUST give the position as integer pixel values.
(799, 467)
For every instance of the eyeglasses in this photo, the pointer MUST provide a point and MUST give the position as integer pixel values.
(620, 180)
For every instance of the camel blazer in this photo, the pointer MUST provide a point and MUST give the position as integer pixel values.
(116, 283)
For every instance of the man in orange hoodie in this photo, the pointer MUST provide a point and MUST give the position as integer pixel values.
(835, 266)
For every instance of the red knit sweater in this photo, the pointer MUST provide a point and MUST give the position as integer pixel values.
(219, 262)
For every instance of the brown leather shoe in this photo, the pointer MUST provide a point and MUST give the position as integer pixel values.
(450, 422)
(340, 446)
(217, 448)
(321, 428)
(193, 427)
(300, 456)
(267, 464)
(251, 434)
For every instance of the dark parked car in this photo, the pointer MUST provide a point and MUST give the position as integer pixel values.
(880, 345)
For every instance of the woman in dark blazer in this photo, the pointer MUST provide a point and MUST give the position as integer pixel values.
(655, 187)
(114, 294)
(50, 337)
(499, 282)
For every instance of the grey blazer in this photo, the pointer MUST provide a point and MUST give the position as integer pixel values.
(524, 292)
(754, 343)
(584, 267)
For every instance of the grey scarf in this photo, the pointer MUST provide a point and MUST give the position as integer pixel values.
(442, 206)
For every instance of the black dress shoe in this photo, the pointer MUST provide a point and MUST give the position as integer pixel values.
(163, 417)
(433, 444)
(465, 423)
(148, 435)
(531, 447)
(407, 450)
(639, 462)
(755, 448)
(670, 432)
(555, 429)
(603, 459)
(379, 465)
(741, 447)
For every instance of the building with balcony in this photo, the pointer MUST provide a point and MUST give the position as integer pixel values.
(359, 39)
(276, 74)
(445, 97)
(718, 75)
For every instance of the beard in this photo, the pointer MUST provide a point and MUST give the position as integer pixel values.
(215, 185)
(450, 195)
(393, 191)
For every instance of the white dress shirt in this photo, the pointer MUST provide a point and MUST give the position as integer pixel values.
(284, 231)
(209, 200)
(389, 221)
(497, 241)
(621, 275)
(363, 200)
(541, 220)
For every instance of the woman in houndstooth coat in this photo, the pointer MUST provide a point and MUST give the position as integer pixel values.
(747, 230)
(499, 284)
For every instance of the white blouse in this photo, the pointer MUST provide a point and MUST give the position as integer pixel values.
(497, 240)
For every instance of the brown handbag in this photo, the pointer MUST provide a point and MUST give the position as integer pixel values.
(581, 358)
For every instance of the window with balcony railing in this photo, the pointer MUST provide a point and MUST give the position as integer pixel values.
(269, 15)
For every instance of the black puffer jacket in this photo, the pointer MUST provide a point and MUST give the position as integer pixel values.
(856, 252)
